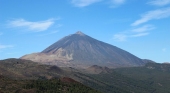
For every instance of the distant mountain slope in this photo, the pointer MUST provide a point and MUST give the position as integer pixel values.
(114, 82)
(80, 50)
(148, 61)
(151, 78)
(97, 69)
(155, 74)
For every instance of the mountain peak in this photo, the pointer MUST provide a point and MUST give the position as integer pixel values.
(81, 50)
(80, 33)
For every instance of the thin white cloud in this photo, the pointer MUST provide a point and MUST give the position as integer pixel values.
(143, 28)
(159, 2)
(140, 34)
(134, 33)
(120, 37)
(33, 26)
(116, 3)
(124, 37)
(151, 15)
(83, 3)
(5, 46)
(164, 49)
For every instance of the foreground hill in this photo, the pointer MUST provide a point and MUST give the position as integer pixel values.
(95, 69)
(16, 73)
(155, 74)
(26, 69)
(151, 78)
(63, 85)
(80, 50)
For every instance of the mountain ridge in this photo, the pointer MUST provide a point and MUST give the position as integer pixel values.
(81, 50)
(151, 78)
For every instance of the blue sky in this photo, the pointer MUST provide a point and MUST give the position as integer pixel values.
(141, 27)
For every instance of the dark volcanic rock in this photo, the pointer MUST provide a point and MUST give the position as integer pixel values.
(79, 50)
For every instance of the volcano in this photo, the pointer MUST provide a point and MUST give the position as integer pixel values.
(81, 50)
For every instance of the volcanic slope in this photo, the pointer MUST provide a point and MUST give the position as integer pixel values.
(80, 50)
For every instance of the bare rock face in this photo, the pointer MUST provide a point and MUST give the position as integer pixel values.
(80, 50)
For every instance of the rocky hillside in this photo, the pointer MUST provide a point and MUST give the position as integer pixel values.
(26, 69)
